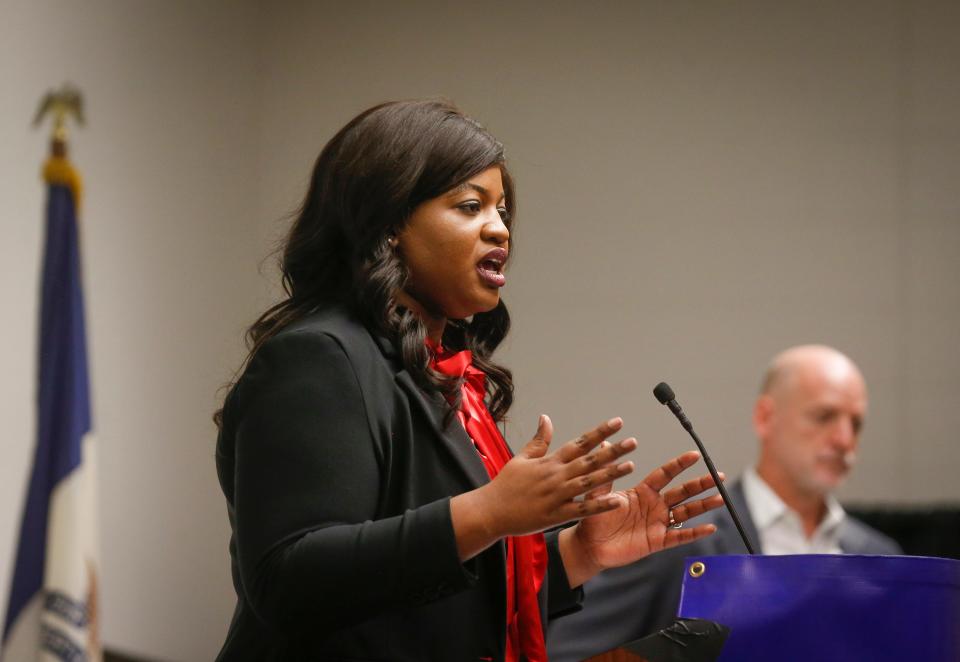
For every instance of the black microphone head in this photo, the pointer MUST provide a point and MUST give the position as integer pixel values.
(664, 393)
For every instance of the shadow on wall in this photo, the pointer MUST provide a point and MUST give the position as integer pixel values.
(920, 530)
(114, 656)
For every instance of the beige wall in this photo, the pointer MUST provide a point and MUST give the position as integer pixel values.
(170, 248)
(701, 184)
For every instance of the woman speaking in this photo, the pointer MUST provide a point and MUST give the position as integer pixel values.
(377, 512)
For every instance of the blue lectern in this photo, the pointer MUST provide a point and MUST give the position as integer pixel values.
(828, 608)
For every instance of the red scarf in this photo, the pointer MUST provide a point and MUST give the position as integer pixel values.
(526, 555)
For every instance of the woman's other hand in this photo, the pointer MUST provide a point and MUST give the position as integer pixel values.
(640, 524)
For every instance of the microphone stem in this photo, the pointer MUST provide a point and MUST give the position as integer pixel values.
(721, 489)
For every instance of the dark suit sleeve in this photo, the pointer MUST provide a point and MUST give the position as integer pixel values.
(561, 599)
(621, 605)
(307, 482)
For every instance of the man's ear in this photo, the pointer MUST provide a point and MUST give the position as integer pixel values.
(763, 414)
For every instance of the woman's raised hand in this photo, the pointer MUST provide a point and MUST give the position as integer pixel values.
(536, 490)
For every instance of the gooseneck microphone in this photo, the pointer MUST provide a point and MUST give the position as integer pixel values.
(666, 396)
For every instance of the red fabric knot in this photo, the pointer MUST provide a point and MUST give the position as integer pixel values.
(526, 555)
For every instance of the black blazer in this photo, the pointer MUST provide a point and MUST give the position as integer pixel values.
(633, 601)
(338, 471)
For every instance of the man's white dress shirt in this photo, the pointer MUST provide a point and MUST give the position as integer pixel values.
(780, 528)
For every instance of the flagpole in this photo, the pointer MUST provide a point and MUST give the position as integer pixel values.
(51, 612)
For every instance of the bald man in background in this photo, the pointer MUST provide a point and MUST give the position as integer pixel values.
(808, 419)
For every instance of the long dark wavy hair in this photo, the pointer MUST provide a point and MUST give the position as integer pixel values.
(366, 183)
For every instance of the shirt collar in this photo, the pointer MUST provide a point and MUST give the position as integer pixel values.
(766, 507)
(764, 504)
(834, 517)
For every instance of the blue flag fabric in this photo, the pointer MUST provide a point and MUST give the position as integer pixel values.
(60, 613)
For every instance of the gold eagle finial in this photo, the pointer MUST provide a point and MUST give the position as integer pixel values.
(60, 103)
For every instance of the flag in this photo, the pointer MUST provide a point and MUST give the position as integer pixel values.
(52, 610)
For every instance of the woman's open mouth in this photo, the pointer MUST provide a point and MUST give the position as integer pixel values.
(490, 268)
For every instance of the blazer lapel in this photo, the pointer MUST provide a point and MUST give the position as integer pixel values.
(852, 541)
(739, 500)
(453, 437)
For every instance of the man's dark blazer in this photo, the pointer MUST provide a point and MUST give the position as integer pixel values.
(338, 471)
(624, 604)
